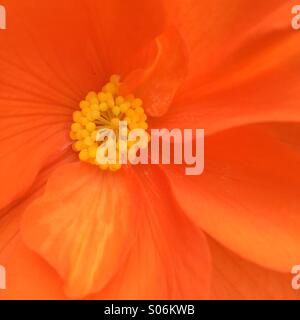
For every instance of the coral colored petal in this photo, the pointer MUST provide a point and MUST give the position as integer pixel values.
(245, 96)
(234, 278)
(123, 28)
(158, 83)
(28, 276)
(49, 53)
(27, 144)
(248, 196)
(257, 82)
(50, 60)
(215, 30)
(83, 225)
(36, 98)
(10, 215)
(170, 258)
(71, 48)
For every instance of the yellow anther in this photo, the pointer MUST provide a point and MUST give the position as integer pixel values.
(85, 111)
(130, 113)
(94, 100)
(84, 134)
(76, 127)
(119, 100)
(78, 136)
(84, 121)
(77, 115)
(90, 126)
(94, 135)
(78, 146)
(124, 107)
(105, 110)
(110, 88)
(115, 122)
(84, 104)
(93, 115)
(143, 118)
(136, 118)
(110, 102)
(95, 107)
(103, 107)
(84, 155)
(137, 103)
(102, 96)
(91, 96)
(133, 125)
(73, 135)
(139, 110)
(88, 141)
(93, 151)
(116, 111)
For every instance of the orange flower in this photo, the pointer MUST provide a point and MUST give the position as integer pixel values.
(70, 230)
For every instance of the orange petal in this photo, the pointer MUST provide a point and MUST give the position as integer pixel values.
(28, 276)
(83, 225)
(10, 216)
(257, 82)
(51, 60)
(49, 54)
(170, 257)
(158, 84)
(123, 28)
(71, 54)
(27, 144)
(215, 30)
(36, 98)
(177, 263)
(234, 278)
(248, 196)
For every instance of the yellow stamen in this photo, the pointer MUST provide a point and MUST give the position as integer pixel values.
(104, 110)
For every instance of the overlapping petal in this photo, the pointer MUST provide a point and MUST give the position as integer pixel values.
(247, 197)
(104, 235)
(257, 76)
(234, 278)
(28, 275)
(116, 235)
(84, 225)
(215, 30)
(52, 54)
(165, 71)
(170, 257)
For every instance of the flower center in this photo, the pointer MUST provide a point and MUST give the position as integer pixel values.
(105, 110)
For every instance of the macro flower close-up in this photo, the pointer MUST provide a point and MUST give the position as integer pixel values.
(74, 228)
